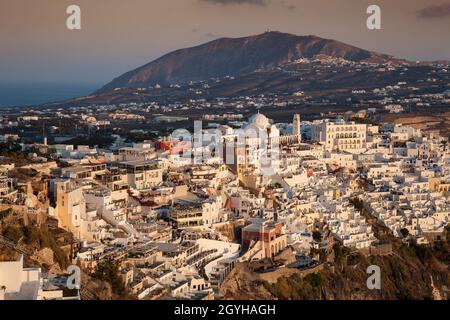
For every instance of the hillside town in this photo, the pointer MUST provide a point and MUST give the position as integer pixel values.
(175, 214)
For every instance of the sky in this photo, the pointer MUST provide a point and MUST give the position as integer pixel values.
(118, 36)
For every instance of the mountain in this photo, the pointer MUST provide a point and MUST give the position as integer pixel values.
(236, 56)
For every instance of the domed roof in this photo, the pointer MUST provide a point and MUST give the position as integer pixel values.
(259, 120)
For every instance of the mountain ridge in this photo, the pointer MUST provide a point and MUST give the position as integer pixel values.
(236, 56)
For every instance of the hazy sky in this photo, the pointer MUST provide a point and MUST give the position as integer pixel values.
(118, 35)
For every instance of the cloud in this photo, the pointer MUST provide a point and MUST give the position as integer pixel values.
(288, 5)
(211, 35)
(225, 2)
(434, 11)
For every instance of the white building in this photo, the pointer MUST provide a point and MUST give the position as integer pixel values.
(70, 205)
(142, 175)
(340, 135)
(296, 126)
(19, 283)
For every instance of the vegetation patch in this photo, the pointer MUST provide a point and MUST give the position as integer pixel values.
(36, 237)
(109, 272)
(5, 213)
(296, 287)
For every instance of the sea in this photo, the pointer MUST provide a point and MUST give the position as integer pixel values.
(30, 94)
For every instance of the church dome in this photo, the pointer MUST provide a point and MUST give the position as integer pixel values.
(259, 120)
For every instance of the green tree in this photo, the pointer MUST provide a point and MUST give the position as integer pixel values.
(109, 272)
(317, 236)
(404, 232)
